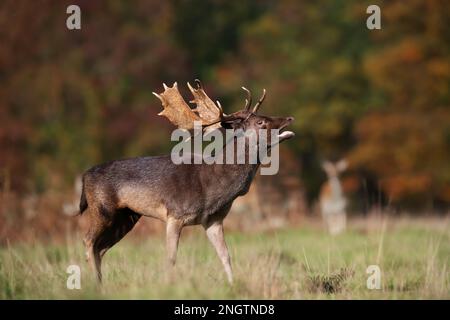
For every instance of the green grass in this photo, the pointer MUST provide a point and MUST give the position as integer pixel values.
(297, 263)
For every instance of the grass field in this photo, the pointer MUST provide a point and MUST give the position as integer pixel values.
(300, 263)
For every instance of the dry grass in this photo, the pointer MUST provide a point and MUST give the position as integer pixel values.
(330, 283)
(300, 263)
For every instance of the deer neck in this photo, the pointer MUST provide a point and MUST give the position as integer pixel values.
(236, 177)
(335, 186)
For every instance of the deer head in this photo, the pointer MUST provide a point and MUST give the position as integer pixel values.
(334, 169)
(248, 118)
(212, 116)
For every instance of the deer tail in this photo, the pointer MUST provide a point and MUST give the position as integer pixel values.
(83, 201)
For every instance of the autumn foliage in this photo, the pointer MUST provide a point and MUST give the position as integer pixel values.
(71, 99)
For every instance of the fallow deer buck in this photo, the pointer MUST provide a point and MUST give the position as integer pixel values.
(332, 199)
(118, 193)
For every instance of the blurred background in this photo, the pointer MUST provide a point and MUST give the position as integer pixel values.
(70, 99)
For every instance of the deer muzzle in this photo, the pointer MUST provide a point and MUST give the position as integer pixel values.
(284, 135)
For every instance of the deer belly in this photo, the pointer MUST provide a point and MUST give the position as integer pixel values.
(143, 203)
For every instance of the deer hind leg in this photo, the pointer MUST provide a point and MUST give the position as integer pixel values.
(108, 228)
(99, 221)
(215, 235)
(122, 222)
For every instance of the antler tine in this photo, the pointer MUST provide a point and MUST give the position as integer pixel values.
(198, 83)
(258, 104)
(158, 96)
(220, 107)
(248, 101)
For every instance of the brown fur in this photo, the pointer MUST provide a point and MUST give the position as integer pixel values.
(118, 193)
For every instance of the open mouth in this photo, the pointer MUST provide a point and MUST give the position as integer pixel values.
(284, 135)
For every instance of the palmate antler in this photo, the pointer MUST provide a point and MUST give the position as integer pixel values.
(210, 114)
(180, 114)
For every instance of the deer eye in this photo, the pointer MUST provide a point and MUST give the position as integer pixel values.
(260, 122)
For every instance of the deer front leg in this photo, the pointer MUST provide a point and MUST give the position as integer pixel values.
(215, 235)
(173, 231)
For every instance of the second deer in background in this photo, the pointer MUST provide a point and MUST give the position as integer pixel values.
(332, 199)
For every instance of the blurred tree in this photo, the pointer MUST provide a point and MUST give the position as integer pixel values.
(381, 97)
(208, 30)
(69, 99)
(405, 142)
(306, 57)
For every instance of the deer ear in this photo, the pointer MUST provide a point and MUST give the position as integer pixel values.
(342, 165)
(327, 165)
